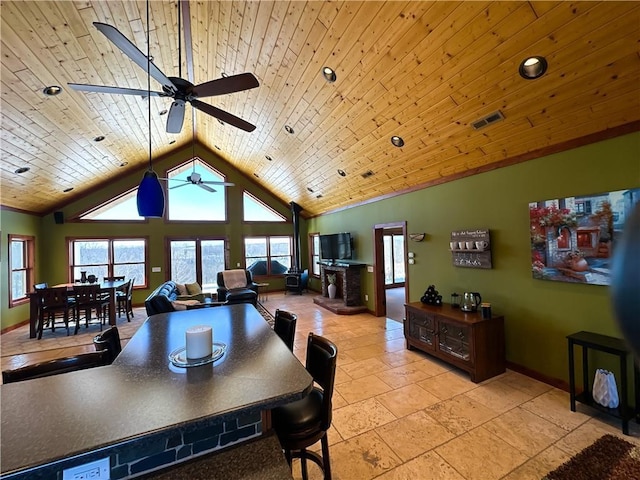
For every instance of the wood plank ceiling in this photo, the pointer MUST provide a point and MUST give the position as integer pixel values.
(421, 70)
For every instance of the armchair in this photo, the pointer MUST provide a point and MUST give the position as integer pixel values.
(247, 293)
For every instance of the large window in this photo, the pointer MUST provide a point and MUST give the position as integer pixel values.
(108, 257)
(257, 211)
(268, 255)
(21, 262)
(124, 207)
(199, 201)
(197, 260)
(394, 259)
(314, 251)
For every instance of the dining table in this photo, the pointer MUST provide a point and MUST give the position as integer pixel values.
(144, 399)
(110, 288)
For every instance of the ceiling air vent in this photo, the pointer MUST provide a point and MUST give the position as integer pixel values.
(488, 120)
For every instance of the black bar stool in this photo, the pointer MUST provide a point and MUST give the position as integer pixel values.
(302, 423)
(285, 327)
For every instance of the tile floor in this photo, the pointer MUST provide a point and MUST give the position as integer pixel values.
(401, 415)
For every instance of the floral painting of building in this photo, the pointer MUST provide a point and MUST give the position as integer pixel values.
(573, 238)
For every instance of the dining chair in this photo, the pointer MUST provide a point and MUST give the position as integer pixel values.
(304, 422)
(108, 340)
(285, 327)
(53, 302)
(57, 366)
(88, 298)
(124, 299)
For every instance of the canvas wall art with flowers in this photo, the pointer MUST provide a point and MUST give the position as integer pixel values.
(573, 238)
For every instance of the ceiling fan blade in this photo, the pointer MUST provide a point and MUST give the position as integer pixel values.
(115, 90)
(206, 187)
(226, 117)
(220, 86)
(226, 184)
(174, 179)
(178, 186)
(130, 50)
(176, 117)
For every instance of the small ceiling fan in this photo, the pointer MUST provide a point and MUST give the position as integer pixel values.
(196, 179)
(179, 89)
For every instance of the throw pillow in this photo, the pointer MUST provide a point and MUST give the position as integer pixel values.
(193, 288)
(182, 289)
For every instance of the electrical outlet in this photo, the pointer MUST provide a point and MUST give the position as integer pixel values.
(366, 298)
(97, 470)
(238, 264)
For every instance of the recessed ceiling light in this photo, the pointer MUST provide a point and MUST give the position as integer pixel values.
(533, 67)
(67, 190)
(319, 195)
(329, 74)
(172, 142)
(220, 121)
(256, 175)
(310, 189)
(288, 128)
(217, 147)
(22, 170)
(342, 173)
(124, 164)
(99, 138)
(268, 158)
(224, 75)
(163, 112)
(52, 90)
(397, 141)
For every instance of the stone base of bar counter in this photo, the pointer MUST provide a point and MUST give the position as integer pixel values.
(259, 459)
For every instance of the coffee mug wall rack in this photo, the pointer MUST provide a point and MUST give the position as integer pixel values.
(471, 248)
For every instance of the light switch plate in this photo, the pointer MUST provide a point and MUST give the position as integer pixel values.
(156, 269)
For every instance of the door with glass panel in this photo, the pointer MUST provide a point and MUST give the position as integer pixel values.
(197, 260)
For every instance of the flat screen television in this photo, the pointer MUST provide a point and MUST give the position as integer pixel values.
(336, 246)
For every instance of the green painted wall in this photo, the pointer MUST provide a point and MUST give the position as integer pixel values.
(538, 314)
(16, 224)
(52, 258)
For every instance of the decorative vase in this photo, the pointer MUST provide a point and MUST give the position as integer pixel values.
(92, 279)
(331, 290)
(83, 277)
(579, 265)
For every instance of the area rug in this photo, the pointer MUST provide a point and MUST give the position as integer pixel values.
(265, 314)
(608, 458)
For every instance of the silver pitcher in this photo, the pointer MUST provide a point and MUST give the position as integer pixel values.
(470, 301)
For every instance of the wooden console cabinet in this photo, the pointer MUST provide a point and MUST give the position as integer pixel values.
(464, 340)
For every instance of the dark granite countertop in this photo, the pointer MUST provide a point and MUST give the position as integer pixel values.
(52, 418)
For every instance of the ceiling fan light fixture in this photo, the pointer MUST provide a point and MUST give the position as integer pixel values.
(533, 67)
(397, 141)
(52, 90)
(329, 74)
(289, 129)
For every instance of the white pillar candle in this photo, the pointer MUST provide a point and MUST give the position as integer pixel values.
(199, 340)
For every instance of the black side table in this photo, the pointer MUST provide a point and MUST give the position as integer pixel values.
(614, 346)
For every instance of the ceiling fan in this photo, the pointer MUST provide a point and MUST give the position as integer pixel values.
(196, 179)
(179, 89)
